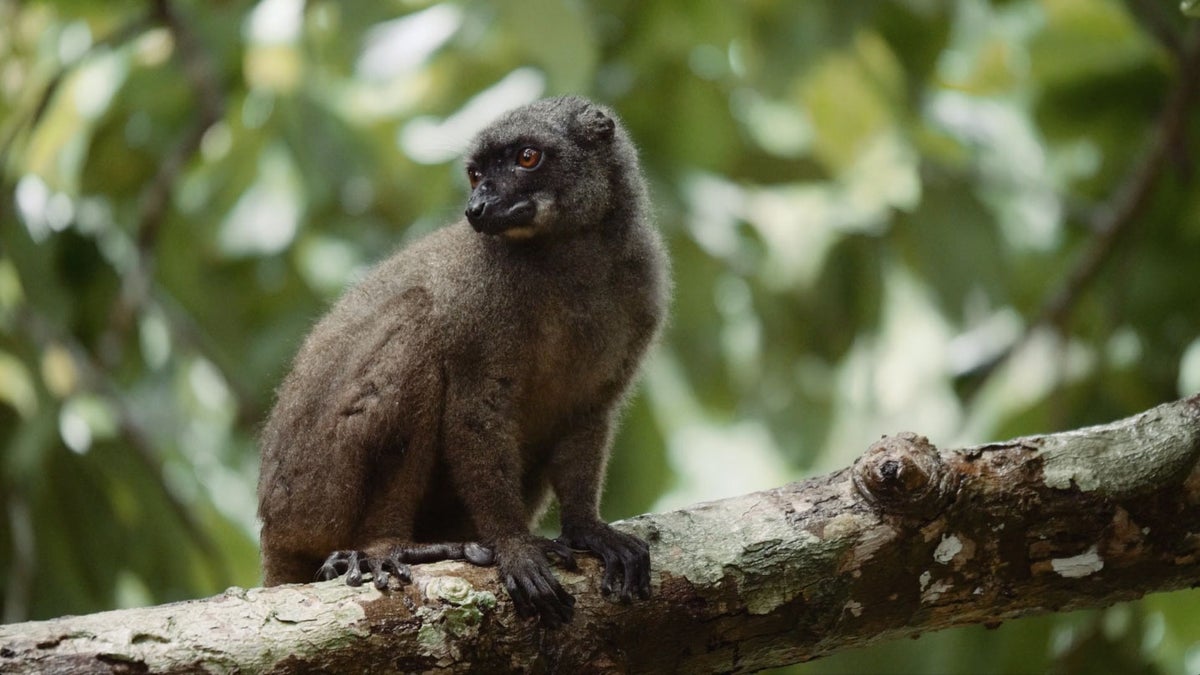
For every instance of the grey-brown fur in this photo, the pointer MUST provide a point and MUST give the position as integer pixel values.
(473, 373)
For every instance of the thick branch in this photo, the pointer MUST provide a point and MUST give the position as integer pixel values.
(909, 539)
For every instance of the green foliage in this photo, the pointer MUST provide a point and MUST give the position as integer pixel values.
(868, 205)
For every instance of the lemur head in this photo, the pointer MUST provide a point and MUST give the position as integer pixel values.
(550, 168)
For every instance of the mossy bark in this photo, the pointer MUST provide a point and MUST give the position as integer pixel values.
(909, 539)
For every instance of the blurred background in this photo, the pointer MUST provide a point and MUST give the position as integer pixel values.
(969, 219)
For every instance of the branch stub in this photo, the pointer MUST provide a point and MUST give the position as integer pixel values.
(903, 474)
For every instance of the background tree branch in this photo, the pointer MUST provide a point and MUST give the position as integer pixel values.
(1111, 221)
(200, 73)
(909, 539)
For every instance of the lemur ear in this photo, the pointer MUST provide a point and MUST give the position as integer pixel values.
(594, 126)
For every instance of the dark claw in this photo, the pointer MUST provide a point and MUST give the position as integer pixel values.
(399, 568)
(477, 554)
(554, 605)
(354, 569)
(381, 568)
(337, 564)
(379, 576)
(327, 572)
(518, 597)
(527, 576)
(562, 552)
(626, 558)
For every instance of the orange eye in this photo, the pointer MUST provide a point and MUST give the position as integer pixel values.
(529, 158)
(474, 176)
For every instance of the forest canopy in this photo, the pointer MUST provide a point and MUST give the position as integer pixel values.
(973, 220)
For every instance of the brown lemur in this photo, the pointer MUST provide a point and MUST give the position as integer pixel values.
(429, 415)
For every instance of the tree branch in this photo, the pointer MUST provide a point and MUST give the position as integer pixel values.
(210, 100)
(1162, 23)
(1127, 204)
(909, 539)
(201, 75)
(1112, 220)
(96, 379)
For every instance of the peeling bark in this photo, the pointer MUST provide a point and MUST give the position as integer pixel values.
(910, 539)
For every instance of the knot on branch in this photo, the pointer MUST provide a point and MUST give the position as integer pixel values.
(903, 474)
